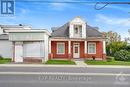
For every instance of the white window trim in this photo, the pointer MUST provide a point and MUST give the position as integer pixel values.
(57, 47)
(95, 47)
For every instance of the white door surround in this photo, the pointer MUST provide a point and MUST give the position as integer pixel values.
(76, 50)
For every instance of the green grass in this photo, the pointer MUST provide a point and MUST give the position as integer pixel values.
(5, 60)
(94, 62)
(64, 62)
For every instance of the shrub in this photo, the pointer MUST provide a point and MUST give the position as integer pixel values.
(109, 59)
(127, 47)
(128, 57)
(122, 55)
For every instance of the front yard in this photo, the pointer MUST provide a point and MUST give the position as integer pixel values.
(5, 60)
(94, 62)
(64, 62)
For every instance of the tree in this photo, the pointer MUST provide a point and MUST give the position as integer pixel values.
(114, 47)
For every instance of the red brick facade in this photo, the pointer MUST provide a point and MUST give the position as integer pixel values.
(99, 50)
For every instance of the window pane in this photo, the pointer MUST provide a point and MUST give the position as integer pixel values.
(76, 50)
(60, 48)
(92, 48)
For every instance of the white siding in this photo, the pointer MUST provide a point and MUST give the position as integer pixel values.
(6, 48)
(71, 31)
(26, 36)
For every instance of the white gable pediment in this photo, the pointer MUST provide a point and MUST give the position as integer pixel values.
(77, 20)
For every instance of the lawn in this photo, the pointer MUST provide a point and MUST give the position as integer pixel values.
(94, 62)
(5, 60)
(64, 62)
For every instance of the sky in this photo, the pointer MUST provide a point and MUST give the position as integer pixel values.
(40, 15)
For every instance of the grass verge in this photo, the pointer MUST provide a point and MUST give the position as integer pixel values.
(64, 62)
(94, 62)
(5, 60)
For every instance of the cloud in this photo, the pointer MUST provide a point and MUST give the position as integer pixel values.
(58, 6)
(113, 21)
(62, 6)
(23, 11)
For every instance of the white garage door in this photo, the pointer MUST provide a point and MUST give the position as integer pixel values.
(33, 49)
(6, 49)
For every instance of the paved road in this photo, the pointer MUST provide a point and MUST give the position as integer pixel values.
(64, 80)
(65, 69)
(41, 80)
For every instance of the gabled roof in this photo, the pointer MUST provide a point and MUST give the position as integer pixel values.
(63, 31)
(4, 36)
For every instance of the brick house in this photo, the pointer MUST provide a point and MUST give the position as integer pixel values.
(76, 39)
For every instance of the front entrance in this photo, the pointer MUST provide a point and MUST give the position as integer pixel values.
(76, 50)
(18, 53)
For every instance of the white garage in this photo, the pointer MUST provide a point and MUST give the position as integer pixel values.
(29, 45)
(5, 46)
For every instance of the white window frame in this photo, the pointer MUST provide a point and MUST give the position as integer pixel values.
(58, 49)
(89, 49)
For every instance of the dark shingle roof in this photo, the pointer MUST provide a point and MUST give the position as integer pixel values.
(4, 37)
(63, 31)
(92, 32)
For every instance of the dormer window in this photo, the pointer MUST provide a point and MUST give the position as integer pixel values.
(77, 30)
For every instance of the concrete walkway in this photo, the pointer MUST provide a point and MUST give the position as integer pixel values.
(80, 63)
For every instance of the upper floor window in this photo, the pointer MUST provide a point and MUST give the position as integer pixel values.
(78, 30)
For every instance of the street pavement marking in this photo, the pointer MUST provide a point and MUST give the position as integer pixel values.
(57, 73)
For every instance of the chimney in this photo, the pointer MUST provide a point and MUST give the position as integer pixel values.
(20, 25)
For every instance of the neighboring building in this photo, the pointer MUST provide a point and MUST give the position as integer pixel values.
(111, 37)
(5, 44)
(24, 44)
(76, 39)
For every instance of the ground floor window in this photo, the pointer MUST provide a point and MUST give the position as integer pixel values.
(60, 48)
(91, 48)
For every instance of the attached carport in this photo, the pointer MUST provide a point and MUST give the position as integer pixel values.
(30, 46)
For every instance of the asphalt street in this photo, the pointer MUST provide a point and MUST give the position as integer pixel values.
(79, 77)
(42, 80)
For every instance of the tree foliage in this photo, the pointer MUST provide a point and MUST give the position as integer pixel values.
(114, 47)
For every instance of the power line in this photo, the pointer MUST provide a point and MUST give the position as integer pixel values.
(99, 8)
(105, 3)
(75, 2)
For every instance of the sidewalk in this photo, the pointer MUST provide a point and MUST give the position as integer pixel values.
(44, 65)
